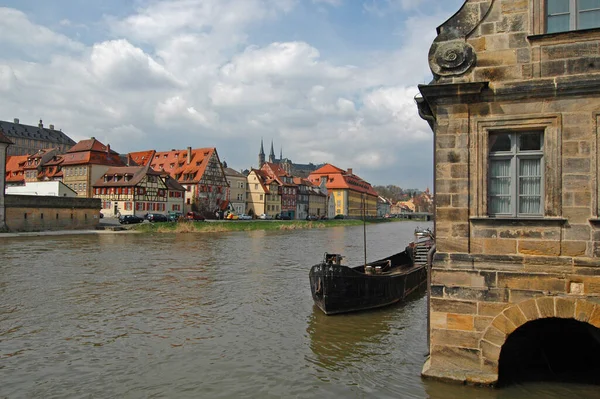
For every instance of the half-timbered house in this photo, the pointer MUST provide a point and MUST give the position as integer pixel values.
(131, 190)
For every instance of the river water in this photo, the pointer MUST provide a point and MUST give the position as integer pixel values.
(219, 315)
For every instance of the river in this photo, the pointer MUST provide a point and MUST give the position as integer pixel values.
(219, 315)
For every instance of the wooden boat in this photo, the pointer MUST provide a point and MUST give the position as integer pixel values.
(339, 289)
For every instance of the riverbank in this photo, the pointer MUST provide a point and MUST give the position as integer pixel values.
(212, 226)
(239, 225)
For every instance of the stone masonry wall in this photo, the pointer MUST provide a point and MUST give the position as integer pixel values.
(492, 275)
(36, 213)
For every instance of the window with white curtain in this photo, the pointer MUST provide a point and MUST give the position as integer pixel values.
(566, 15)
(515, 176)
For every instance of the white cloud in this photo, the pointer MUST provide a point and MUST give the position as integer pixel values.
(21, 35)
(188, 73)
(120, 64)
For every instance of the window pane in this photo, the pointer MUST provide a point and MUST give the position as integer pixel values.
(500, 142)
(530, 180)
(559, 23)
(583, 5)
(558, 6)
(499, 189)
(589, 19)
(530, 141)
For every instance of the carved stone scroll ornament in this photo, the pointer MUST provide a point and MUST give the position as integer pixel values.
(451, 58)
(450, 54)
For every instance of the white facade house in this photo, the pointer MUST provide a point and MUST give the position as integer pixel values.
(42, 188)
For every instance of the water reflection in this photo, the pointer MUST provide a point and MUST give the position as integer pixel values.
(339, 341)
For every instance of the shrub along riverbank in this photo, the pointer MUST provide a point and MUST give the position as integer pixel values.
(243, 225)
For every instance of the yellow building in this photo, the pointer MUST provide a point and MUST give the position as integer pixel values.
(350, 193)
(262, 194)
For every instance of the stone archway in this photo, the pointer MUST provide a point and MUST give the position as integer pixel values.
(510, 319)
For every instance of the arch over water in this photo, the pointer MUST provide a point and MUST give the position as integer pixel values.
(583, 310)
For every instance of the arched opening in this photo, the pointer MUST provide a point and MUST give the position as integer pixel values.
(551, 349)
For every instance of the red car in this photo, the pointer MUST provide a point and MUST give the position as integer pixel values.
(194, 216)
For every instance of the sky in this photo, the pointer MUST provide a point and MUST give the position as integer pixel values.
(323, 80)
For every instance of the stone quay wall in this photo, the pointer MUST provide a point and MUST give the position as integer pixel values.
(39, 213)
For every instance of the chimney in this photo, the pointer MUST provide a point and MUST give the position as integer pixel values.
(349, 171)
(128, 159)
(224, 164)
(189, 155)
(92, 138)
(16, 121)
(51, 127)
(108, 149)
(40, 125)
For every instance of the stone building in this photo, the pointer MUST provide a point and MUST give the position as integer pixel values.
(28, 139)
(515, 110)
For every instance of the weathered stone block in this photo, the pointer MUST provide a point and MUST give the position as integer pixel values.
(499, 246)
(451, 306)
(445, 141)
(455, 358)
(553, 68)
(453, 245)
(515, 315)
(581, 232)
(463, 339)
(546, 306)
(497, 58)
(529, 309)
(481, 323)
(564, 307)
(490, 351)
(460, 322)
(460, 229)
(476, 294)
(495, 336)
(573, 248)
(576, 165)
(530, 247)
(502, 323)
(457, 278)
(584, 310)
(533, 282)
(438, 320)
(577, 215)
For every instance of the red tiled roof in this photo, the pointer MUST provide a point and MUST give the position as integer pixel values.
(176, 163)
(14, 168)
(90, 145)
(340, 179)
(142, 157)
(136, 174)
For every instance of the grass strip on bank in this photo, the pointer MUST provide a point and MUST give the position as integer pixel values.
(230, 225)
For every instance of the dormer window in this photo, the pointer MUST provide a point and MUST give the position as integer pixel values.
(567, 15)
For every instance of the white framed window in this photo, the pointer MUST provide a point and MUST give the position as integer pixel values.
(566, 15)
(515, 174)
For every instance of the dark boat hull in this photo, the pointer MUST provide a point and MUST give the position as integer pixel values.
(340, 289)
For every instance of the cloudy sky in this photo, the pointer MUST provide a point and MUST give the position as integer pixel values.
(324, 80)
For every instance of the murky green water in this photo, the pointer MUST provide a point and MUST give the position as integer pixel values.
(209, 316)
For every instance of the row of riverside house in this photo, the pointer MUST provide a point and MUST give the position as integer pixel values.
(186, 180)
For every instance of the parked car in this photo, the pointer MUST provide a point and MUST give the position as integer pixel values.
(323, 217)
(243, 216)
(264, 216)
(194, 216)
(312, 217)
(340, 216)
(232, 216)
(283, 216)
(130, 219)
(157, 217)
(174, 216)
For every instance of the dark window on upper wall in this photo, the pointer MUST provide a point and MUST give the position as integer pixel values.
(566, 15)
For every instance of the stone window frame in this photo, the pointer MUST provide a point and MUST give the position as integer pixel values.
(551, 126)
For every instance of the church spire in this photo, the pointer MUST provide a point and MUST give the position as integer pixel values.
(272, 154)
(261, 155)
